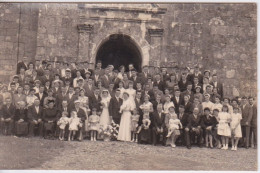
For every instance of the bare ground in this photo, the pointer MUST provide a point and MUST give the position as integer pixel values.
(36, 153)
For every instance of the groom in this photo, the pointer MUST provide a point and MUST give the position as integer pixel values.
(114, 107)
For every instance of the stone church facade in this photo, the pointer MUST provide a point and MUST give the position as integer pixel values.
(218, 37)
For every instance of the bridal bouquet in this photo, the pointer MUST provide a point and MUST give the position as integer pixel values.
(114, 131)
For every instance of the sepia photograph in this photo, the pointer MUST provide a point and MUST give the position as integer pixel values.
(156, 86)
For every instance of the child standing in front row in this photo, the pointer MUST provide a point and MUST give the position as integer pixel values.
(236, 133)
(63, 121)
(74, 124)
(223, 128)
(134, 125)
(93, 123)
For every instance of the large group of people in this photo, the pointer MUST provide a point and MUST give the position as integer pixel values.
(70, 101)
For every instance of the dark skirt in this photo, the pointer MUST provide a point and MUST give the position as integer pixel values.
(145, 136)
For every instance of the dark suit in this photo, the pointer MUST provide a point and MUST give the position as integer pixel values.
(33, 115)
(114, 107)
(40, 72)
(188, 108)
(138, 104)
(95, 103)
(247, 114)
(254, 124)
(45, 78)
(66, 78)
(7, 127)
(194, 123)
(21, 65)
(144, 77)
(21, 128)
(219, 88)
(161, 85)
(176, 104)
(159, 122)
(182, 85)
(200, 77)
(187, 93)
(42, 98)
(71, 100)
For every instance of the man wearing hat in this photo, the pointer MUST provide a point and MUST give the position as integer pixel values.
(114, 107)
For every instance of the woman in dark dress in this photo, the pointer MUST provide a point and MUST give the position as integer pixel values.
(21, 124)
(50, 117)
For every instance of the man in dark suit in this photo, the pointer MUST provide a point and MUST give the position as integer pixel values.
(157, 101)
(158, 82)
(134, 78)
(105, 79)
(183, 117)
(35, 118)
(41, 95)
(71, 97)
(22, 64)
(197, 74)
(7, 117)
(89, 87)
(144, 75)
(194, 129)
(188, 106)
(188, 91)
(159, 127)
(183, 82)
(40, 71)
(114, 107)
(196, 84)
(95, 100)
(215, 83)
(67, 77)
(247, 113)
(98, 69)
(46, 77)
(82, 115)
(177, 100)
(138, 102)
(61, 96)
(86, 69)
(253, 121)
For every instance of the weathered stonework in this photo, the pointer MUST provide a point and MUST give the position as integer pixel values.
(220, 37)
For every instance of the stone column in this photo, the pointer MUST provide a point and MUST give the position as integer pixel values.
(84, 40)
(156, 46)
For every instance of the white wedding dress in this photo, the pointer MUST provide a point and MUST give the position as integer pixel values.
(104, 117)
(125, 123)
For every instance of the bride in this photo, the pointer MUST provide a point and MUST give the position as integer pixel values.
(104, 117)
(125, 123)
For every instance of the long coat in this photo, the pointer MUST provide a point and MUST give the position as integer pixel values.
(114, 107)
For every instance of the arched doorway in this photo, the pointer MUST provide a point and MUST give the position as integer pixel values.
(119, 50)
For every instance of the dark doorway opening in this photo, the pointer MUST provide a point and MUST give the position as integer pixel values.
(119, 50)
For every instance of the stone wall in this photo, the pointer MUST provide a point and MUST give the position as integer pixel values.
(220, 37)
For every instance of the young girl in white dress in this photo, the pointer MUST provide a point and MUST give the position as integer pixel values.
(63, 121)
(134, 125)
(235, 128)
(93, 124)
(124, 133)
(104, 117)
(74, 124)
(223, 127)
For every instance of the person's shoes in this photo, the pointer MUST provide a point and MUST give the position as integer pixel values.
(223, 148)
(189, 147)
(173, 145)
(95, 139)
(247, 147)
(132, 140)
(233, 148)
(226, 147)
(136, 141)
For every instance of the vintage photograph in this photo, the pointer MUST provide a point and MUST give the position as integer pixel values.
(128, 86)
